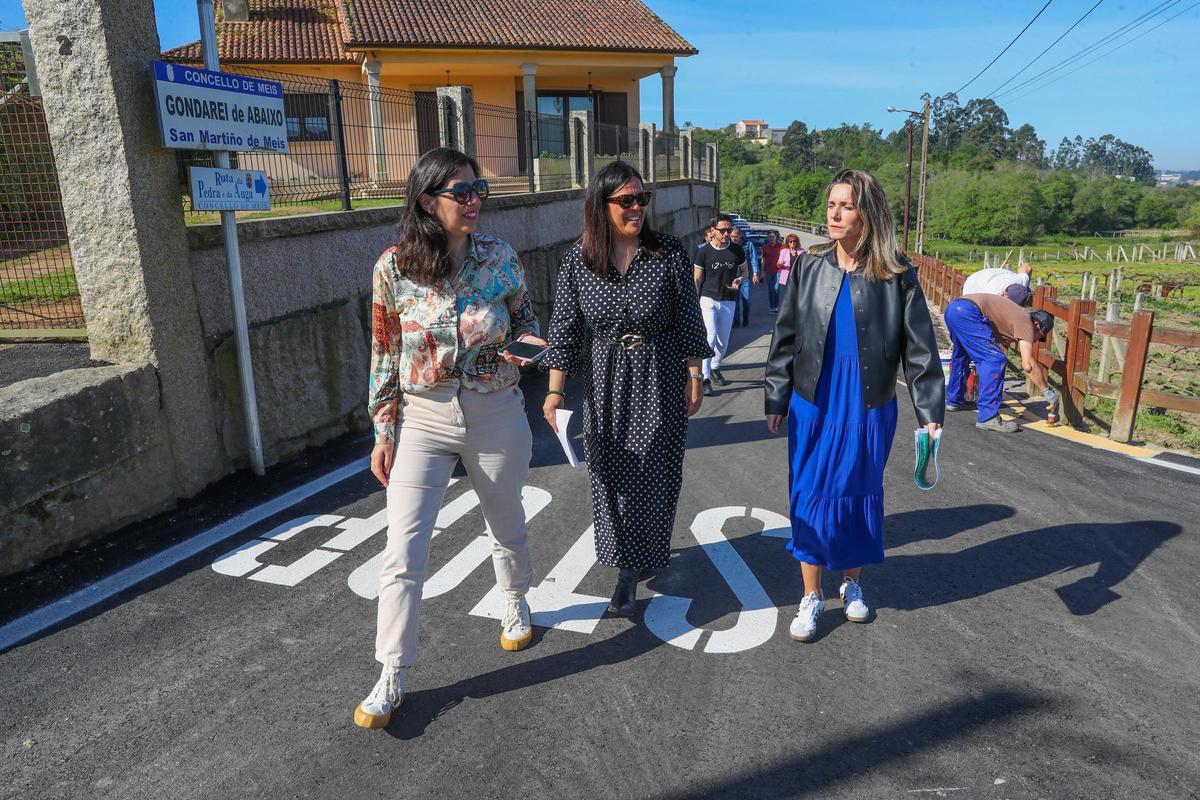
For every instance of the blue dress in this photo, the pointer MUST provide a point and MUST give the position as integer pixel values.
(837, 450)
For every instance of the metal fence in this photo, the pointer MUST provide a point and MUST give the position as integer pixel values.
(39, 297)
(350, 144)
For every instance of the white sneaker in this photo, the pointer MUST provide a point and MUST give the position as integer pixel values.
(386, 697)
(516, 632)
(852, 601)
(804, 626)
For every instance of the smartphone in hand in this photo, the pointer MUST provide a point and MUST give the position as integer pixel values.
(525, 350)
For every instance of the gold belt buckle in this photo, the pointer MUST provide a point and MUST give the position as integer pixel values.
(631, 341)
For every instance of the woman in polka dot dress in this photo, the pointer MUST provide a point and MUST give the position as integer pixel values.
(627, 318)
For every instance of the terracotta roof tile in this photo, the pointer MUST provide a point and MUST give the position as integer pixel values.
(626, 25)
(327, 31)
(278, 32)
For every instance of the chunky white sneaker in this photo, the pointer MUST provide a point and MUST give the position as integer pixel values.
(804, 626)
(516, 632)
(852, 601)
(386, 697)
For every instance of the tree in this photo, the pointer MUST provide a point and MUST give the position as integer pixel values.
(1155, 210)
(797, 148)
(1025, 146)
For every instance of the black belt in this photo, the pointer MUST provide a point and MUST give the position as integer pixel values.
(628, 341)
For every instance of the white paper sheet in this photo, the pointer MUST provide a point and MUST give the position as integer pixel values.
(562, 418)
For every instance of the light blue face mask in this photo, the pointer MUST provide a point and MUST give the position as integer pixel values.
(926, 454)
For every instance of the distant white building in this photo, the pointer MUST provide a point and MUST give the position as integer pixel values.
(777, 135)
(752, 129)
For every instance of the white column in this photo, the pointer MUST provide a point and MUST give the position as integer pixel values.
(668, 101)
(376, 99)
(529, 74)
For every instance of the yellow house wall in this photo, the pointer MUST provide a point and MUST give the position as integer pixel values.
(494, 79)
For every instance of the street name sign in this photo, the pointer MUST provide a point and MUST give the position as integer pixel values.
(200, 109)
(229, 189)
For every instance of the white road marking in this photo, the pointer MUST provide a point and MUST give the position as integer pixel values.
(554, 603)
(64, 608)
(1169, 465)
(666, 616)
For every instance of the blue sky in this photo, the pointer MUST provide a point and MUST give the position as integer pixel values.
(825, 64)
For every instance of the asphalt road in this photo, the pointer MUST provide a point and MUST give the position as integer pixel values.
(1035, 637)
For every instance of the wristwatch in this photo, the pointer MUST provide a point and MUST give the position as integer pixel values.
(696, 376)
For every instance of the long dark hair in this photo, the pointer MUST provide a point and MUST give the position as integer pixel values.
(596, 242)
(422, 248)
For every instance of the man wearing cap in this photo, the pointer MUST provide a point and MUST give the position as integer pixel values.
(996, 280)
(981, 327)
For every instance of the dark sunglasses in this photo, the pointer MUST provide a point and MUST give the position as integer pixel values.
(461, 192)
(627, 201)
(723, 230)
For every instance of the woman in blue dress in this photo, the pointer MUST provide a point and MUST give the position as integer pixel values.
(852, 312)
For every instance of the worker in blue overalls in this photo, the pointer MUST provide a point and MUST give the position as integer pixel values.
(981, 327)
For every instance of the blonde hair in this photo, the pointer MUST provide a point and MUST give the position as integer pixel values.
(876, 249)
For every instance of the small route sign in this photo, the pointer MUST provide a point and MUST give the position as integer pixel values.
(200, 109)
(229, 189)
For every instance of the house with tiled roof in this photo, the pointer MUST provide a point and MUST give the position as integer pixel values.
(555, 56)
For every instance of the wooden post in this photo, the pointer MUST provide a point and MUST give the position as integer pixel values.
(1140, 328)
(1079, 352)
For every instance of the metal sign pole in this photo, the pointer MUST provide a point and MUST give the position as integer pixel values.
(208, 45)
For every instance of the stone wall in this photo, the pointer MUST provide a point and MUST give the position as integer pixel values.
(90, 450)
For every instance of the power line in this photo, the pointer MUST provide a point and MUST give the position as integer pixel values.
(1039, 55)
(1005, 50)
(1102, 55)
(1091, 48)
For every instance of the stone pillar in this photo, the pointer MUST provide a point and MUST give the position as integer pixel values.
(456, 118)
(120, 195)
(687, 157)
(375, 93)
(647, 135)
(668, 100)
(714, 162)
(529, 74)
(581, 149)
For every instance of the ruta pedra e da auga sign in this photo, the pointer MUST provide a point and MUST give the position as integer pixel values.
(199, 109)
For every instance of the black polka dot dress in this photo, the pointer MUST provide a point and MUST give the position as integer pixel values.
(634, 421)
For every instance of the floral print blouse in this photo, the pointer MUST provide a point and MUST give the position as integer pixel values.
(424, 335)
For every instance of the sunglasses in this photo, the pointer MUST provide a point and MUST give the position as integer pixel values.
(627, 201)
(461, 192)
(725, 231)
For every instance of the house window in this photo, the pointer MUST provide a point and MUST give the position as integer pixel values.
(307, 117)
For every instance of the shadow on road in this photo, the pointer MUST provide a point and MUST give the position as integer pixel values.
(851, 757)
(934, 579)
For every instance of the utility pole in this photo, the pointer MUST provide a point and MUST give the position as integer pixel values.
(921, 190)
(908, 185)
(908, 171)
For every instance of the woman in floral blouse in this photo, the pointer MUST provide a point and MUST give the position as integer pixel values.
(445, 302)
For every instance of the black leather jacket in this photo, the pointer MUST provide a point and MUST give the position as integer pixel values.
(893, 325)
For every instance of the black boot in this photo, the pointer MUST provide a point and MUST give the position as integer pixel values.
(624, 599)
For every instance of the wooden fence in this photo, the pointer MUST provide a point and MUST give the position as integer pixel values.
(943, 283)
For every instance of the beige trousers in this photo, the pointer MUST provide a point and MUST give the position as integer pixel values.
(490, 434)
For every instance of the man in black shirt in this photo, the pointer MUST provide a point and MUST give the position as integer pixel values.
(720, 269)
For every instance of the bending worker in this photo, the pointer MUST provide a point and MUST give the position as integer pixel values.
(981, 327)
(996, 280)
